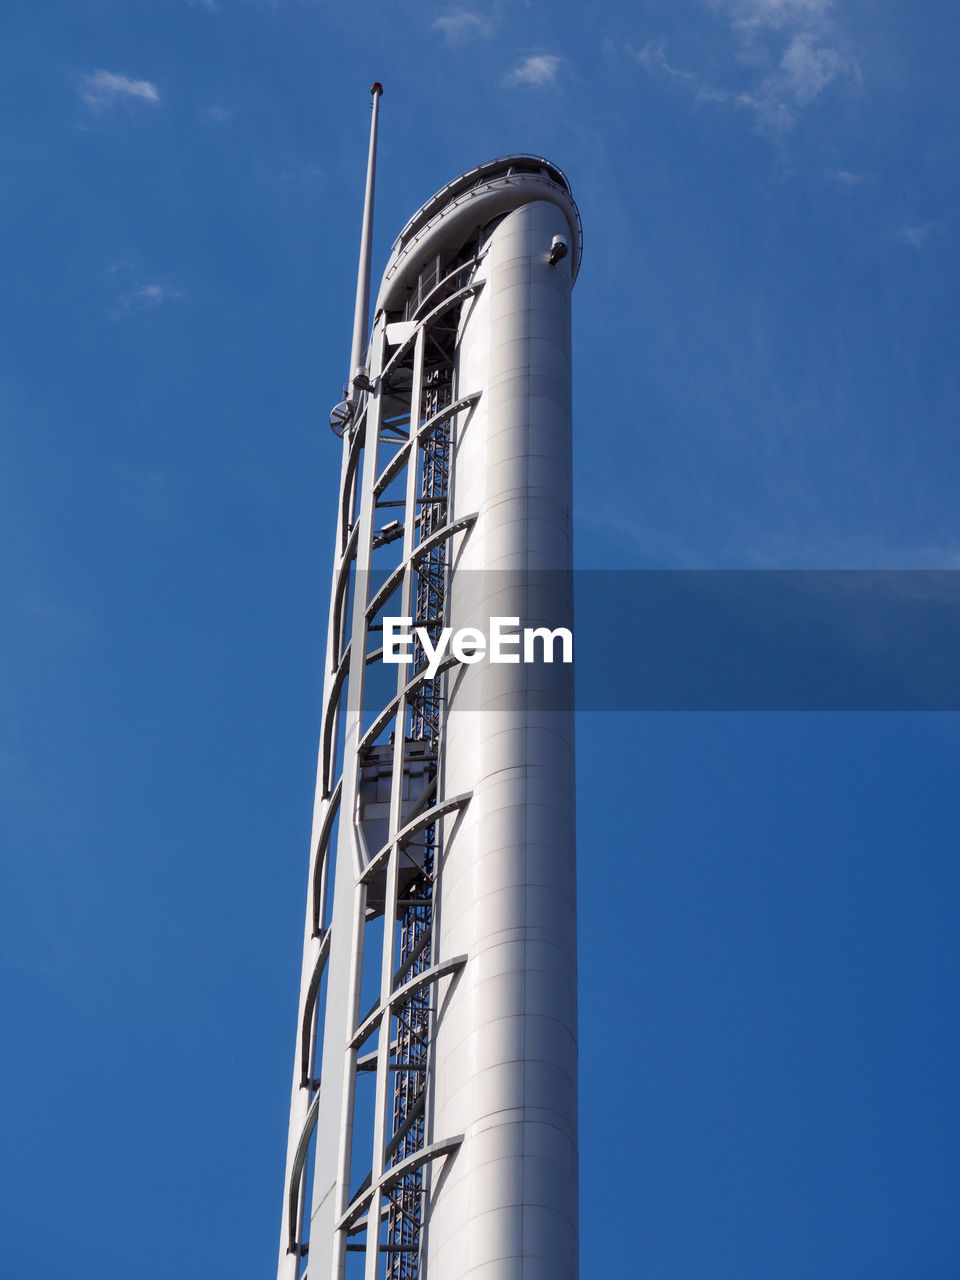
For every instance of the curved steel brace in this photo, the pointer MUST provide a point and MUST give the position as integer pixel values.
(433, 974)
(394, 1175)
(296, 1173)
(396, 463)
(419, 552)
(391, 708)
(463, 266)
(425, 819)
(347, 484)
(307, 1016)
(404, 349)
(340, 579)
(333, 808)
(330, 718)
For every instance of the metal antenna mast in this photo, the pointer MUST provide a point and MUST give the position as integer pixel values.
(361, 312)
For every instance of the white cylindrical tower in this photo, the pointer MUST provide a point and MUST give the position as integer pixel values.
(433, 1125)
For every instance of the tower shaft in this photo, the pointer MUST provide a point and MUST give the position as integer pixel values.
(433, 1117)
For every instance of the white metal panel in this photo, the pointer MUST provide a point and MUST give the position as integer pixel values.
(505, 1035)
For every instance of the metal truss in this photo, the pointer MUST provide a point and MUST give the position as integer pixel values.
(379, 808)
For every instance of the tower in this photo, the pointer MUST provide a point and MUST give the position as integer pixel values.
(433, 1116)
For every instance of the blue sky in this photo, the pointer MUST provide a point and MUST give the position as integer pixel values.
(765, 378)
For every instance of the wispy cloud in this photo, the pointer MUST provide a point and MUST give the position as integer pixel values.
(918, 234)
(848, 179)
(538, 69)
(462, 25)
(653, 58)
(219, 114)
(154, 294)
(105, 89)
(791, 48)
(146, 297)
(757, 15)
(806, 68)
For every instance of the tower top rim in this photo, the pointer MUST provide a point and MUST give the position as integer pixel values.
(496, 186)
(478, 174)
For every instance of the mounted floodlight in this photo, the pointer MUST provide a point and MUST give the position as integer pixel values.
(389, 533)
(558, 250)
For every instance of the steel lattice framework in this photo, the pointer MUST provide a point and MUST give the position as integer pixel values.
(405, 429)
(413, 1015)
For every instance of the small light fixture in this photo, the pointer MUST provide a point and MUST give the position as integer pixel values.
(558, 250)
(389, 533)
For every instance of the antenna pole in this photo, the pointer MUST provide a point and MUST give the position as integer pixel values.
(362, 310)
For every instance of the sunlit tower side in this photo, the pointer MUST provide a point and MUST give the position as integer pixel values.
(433, 1128)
